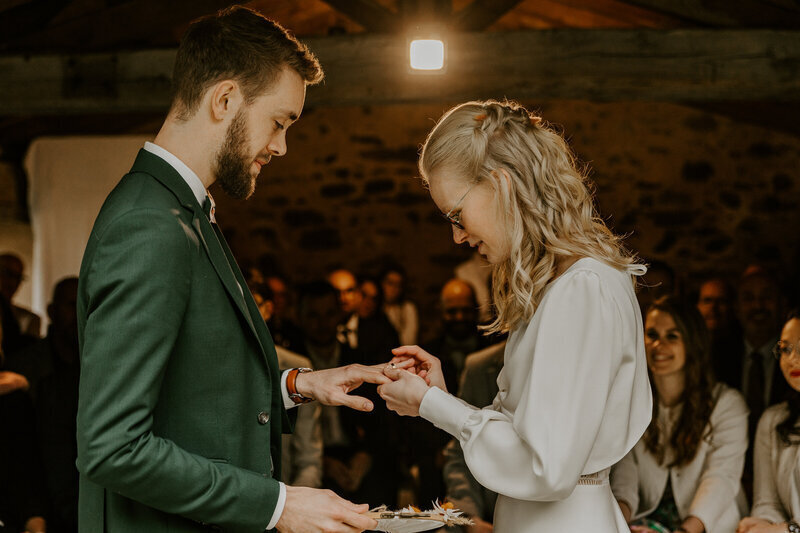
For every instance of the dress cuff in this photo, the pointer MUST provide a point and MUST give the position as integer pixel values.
(445, 411)
(288, 403)
(276, 515)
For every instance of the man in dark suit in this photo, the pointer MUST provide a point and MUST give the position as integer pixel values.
(748, 364)
(746, 361)
(181, 404)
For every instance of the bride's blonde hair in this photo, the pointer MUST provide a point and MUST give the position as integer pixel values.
(547, 203)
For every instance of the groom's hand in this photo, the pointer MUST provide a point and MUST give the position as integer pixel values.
(331, 387)
(313, 510)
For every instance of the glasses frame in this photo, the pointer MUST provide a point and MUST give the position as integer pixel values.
(455, 218)
(794, 350)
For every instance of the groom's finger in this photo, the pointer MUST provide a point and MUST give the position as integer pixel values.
(405, 364)
(369, 374)
(393, 373)
(358, 403)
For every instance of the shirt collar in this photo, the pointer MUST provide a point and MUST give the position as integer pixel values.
(188, 175)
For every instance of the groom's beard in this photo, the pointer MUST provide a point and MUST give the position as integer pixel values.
(232, 162)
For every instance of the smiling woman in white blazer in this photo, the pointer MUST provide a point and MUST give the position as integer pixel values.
(776, 487)
(685, 472)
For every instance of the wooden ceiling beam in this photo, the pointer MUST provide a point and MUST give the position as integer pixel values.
(371, 15)
(5, 5)
(26, 17)
(598, 65)
(481, 14)
(120, 24)
(727, 14)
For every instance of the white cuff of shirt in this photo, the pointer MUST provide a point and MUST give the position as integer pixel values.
(276, 515)
(445, 411)
(288, 403)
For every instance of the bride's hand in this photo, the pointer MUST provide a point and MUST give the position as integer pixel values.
(426, 365)
(405, 393)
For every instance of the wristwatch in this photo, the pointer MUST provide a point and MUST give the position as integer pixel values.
(792, 527)
(291, 388)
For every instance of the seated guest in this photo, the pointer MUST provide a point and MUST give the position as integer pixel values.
(22, 502)
(301, 451)
(685, 472)
(401, 312)
(10, 337)
(776, 491)
(371, 337)
(748, 364)
(357, 463)
(716, 301)
(478, 388)
(459, 335)
(752, 368)
(371, 298)
(285, 332)
(11, 276)
(52, 367)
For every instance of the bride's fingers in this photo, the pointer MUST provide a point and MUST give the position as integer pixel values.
(413, 351)
(404, 364)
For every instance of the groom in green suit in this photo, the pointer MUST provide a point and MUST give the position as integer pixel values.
(181, 404)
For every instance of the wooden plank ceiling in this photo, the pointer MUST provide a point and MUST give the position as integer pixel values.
(73, 31)
(31, 26)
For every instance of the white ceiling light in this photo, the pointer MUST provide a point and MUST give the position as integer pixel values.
(426, 54)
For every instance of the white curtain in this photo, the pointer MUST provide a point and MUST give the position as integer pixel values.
(68, 180)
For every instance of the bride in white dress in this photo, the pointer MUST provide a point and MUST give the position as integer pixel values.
(574, 395)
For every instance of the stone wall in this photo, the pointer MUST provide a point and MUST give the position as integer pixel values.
(702, 192)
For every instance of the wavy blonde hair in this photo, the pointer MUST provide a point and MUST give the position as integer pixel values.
(547, 204)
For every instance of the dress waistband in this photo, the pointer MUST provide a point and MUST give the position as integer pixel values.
(598, 478)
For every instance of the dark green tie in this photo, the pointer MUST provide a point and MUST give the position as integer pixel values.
(208, 209)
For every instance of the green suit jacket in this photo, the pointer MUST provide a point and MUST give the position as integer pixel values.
(180, 411)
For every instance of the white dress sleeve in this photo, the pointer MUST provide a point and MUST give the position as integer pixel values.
(538, 448)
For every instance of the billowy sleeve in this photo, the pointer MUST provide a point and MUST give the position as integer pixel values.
(576, 371)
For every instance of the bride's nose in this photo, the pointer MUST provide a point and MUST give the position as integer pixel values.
(459, 235)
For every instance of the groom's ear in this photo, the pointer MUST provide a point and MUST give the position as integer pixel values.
(224, 99)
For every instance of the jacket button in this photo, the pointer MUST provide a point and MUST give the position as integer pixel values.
(263, 417)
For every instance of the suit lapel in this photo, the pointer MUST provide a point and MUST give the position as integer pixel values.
(212, 239)
(213, 243)
(250, 308)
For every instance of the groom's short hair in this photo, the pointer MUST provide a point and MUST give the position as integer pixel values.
(240, 44)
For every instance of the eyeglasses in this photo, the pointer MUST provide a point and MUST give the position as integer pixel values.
(785, 349)
(454, 215)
